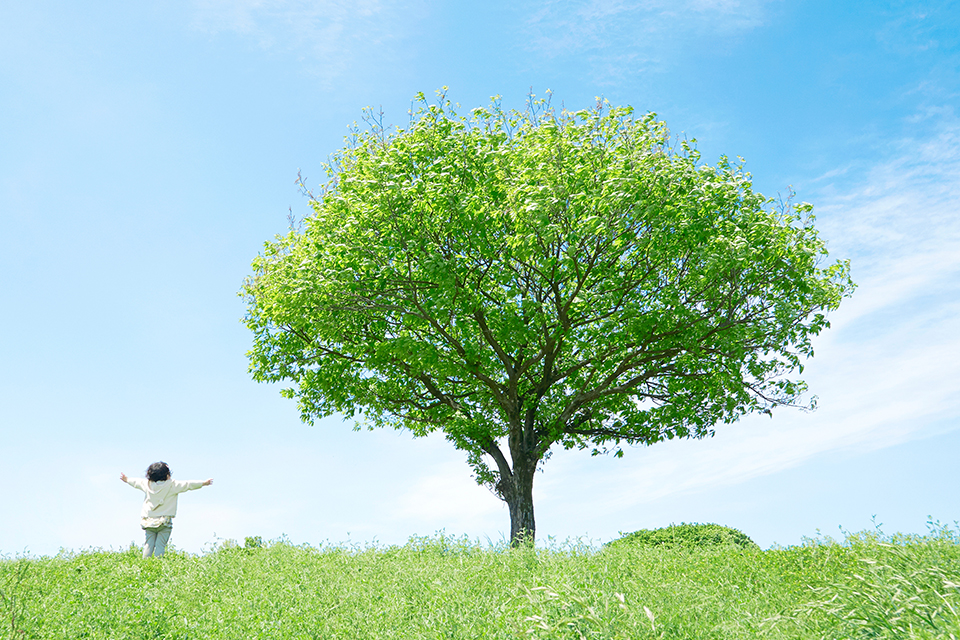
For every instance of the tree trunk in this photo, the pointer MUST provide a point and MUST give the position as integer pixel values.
(519, 499)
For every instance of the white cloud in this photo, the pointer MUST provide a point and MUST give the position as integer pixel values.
(639, 31)
(297, 17)
(328, 37)
(919, 27)
(904, 208)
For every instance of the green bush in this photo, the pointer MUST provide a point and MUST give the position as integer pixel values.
(687, 536)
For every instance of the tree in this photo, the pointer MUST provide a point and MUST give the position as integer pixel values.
(520, 280)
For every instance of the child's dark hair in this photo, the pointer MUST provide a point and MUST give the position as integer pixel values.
(158, 472)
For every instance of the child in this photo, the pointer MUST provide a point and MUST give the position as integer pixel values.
(160, 505)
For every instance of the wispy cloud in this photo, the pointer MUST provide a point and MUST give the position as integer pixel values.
(639, 32)
(920, 27)
(326, 36)
(903, 208)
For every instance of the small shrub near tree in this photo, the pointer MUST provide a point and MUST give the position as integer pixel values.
(692, 536)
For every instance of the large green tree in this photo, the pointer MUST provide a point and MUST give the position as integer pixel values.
(525, 280)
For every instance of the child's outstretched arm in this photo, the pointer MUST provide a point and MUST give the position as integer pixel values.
(179, 486)
(136, 483)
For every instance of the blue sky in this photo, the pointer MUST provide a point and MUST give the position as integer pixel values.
(148, 149)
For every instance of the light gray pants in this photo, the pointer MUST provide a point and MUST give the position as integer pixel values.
(156, 540)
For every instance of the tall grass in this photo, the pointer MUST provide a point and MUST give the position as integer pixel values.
(894, 587)
(869, 586)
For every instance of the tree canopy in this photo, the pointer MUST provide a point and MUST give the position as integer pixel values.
(525, 280)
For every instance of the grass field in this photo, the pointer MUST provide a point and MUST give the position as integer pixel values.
(868, 586)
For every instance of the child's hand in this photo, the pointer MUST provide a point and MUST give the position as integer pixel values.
(123, 476)
(208, 482)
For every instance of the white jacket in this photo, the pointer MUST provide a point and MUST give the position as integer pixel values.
(161, 497)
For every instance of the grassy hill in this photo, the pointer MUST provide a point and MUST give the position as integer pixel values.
(867, 586)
